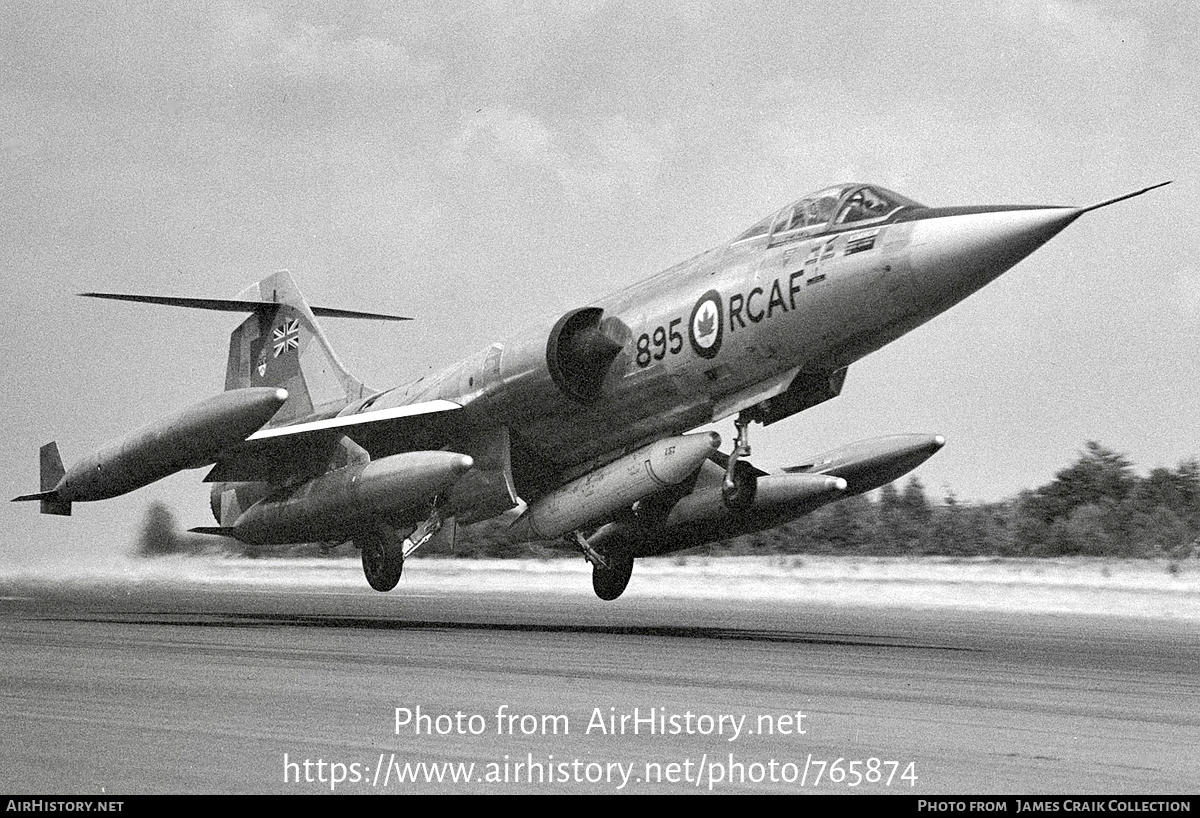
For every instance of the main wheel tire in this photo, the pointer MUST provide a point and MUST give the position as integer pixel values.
(609, 583)
(382, 560)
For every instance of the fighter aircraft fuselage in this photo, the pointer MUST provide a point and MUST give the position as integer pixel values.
(734, 328)
(584, 418)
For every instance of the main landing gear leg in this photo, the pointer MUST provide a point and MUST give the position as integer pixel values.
(590, 554)
(741, 448)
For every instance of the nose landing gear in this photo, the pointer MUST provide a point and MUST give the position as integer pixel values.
(738, 487)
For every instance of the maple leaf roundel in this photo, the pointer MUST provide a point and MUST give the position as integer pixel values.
(707, 325)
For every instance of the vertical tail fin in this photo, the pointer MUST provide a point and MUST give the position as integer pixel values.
(284, 346)
(280, 344)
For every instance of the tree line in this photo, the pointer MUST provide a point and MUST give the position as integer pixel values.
(1097, 506)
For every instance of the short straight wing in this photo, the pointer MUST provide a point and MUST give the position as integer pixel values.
(283, 451)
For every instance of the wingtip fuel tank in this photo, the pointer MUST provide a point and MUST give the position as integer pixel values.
(869, 464)
(187, 439)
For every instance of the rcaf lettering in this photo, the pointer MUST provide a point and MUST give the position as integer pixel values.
(776, 299)
(742, 307)
(792, 288)
(755, 317)
(735, 310)
(665, 339)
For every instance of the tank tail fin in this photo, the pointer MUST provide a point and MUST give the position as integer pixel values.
(51, 474)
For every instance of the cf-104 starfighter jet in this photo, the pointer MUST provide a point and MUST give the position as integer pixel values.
(585, 418)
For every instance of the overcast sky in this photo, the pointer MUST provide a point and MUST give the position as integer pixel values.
(483, 166)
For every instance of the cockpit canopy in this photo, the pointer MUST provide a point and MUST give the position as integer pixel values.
(829, 209)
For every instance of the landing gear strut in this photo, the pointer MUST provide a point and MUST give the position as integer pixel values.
(590, 554)
(733, 491)
(424, 532)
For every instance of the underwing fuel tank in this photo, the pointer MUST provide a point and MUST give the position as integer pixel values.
(773, 493)
(335, 506)
(703, 516)
(620, 484)
(188, 439)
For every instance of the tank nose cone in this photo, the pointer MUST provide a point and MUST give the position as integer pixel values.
(953, 256)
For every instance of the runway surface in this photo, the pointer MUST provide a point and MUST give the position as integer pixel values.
(132, 685)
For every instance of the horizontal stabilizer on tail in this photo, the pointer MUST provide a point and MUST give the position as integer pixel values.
(240, 305)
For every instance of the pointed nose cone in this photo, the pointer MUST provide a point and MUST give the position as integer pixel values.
(955, 255)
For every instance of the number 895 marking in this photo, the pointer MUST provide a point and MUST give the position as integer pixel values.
(659, 341)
